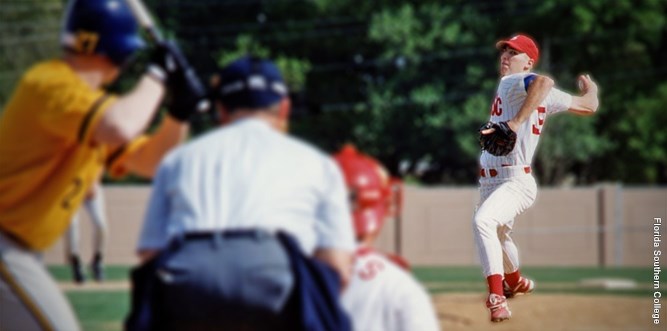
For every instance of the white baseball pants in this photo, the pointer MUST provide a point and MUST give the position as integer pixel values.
(96, 211)
(29, 297)
(501, 200)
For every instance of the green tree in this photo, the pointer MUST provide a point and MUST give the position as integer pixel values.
(29, 32)
(618, 46)
(644, 147)
(294, 70)
(622, 46)
(410, 82)
(432, 91)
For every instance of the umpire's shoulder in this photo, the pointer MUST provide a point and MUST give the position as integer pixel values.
(307, 149)
(325, 166)
(172, 157)
(186, 151)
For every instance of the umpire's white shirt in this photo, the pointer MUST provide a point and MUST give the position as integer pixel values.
(248, 175)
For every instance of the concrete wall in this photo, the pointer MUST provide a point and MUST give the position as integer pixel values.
(604, 225)
(631, 234)
(560, 228)
(125, 207)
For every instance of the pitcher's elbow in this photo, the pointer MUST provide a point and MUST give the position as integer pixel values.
(545, 81)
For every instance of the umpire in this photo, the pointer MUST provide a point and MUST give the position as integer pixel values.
(247, 228)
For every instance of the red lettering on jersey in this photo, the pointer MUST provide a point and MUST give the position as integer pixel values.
(496, 107)
(541, 117)
(536, 131)
(371, 269)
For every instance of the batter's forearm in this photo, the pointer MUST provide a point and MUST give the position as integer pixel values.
(145, 160)
(537, 92)
(129, 116)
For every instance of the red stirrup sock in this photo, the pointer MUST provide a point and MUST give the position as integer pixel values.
(513, 278)
(495, 284)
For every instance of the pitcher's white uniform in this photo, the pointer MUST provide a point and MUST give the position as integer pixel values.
(382, 296)
(506, 186)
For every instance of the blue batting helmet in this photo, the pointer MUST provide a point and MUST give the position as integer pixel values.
(104, 27)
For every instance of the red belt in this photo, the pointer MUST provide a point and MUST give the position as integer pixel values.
(494, 172)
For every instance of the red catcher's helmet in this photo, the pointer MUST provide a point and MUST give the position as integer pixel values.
(370, 190)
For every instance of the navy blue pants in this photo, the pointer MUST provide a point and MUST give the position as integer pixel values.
(235, 280)
(232, 281)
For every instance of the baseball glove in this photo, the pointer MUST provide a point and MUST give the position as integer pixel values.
(500, 142)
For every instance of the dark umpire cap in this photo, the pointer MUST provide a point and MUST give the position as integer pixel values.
(250, 82)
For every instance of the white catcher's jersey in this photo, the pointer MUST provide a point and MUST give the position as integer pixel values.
(383, 297)
(510, 96)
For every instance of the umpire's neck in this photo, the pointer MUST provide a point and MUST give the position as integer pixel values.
(272, 119)
(272, 115)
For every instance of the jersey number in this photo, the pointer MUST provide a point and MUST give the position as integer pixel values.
(541, 116)
(86, 42)
(371, 269)
(75, 189)
(496, 107)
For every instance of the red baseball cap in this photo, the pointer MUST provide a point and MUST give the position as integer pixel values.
(521, 43)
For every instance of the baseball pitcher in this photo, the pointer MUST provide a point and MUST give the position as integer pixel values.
(522, 104)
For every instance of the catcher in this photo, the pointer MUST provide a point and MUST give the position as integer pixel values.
(382, 294)
(507, 188)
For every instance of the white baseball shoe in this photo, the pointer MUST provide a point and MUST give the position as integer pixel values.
(498, 307)
(525, 286)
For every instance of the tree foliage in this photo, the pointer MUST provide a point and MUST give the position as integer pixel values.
(410, 82)
(28, 33)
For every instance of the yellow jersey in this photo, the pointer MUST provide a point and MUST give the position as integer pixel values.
(47, 157)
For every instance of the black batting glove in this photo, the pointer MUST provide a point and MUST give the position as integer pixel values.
(186, 93)
(166, 61)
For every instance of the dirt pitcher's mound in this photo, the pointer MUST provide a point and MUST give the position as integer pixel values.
(466, 312)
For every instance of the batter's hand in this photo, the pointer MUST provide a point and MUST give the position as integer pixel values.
(166, 61)
(187, 94)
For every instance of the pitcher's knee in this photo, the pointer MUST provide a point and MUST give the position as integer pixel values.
(483, 224)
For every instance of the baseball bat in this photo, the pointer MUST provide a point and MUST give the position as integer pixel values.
(145, 20)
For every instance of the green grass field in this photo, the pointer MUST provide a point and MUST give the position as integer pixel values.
(105, 309)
